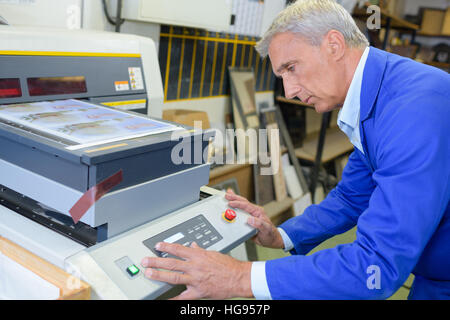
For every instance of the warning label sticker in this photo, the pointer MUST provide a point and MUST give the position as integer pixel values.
(136, 80)
(121, 85)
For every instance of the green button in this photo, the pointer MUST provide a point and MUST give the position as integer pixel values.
(133, 270)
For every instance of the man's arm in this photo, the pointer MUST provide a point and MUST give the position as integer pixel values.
(407, 204)
(405, 208)
(337, 213)
(247, 278)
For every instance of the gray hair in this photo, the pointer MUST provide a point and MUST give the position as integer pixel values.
(313, 19)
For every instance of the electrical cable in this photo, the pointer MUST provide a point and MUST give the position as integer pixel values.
(118, 21)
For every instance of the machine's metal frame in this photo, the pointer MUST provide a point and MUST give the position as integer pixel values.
(155, 194)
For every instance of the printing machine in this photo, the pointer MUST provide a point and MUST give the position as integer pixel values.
(44, 175)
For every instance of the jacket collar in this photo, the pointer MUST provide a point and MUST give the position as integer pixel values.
(372, 78)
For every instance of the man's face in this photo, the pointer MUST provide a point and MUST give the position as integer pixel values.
(308, 72)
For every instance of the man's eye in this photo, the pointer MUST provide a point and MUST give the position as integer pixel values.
(291, 68)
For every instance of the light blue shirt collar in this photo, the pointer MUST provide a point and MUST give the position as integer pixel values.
(348, 117)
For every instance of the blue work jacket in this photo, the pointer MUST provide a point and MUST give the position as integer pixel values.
(396, 193)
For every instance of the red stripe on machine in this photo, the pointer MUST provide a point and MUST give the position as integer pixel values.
(93, 195)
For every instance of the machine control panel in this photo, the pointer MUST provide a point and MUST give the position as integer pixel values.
(207, 222)
(229, 215)
(197, 229)
(133, 270)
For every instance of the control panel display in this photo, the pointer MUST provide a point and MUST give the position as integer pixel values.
(45, 86)
(10, 88)
(196, 229)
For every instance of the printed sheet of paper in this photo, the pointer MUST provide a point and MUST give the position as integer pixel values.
(81, 122)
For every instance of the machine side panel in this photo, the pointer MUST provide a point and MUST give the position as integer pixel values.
(36, 238)
(45, 164)
(104, 76)
(141, 167)
(131, 246)
(133, 206)
(52, 194)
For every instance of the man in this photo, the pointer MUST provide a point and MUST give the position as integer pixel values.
(395, 187)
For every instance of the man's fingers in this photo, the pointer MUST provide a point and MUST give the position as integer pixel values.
(195, 245)
(246, 206)
(232, 196)
(262, 225)
(174, 249)
(163, 263)
(167, 276)
(230, 191)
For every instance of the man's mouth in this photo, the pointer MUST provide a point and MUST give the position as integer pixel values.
(307, 100)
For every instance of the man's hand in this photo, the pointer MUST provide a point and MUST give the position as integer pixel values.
(268, 235)
(206, 274)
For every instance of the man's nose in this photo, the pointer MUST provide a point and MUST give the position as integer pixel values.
(290, 90)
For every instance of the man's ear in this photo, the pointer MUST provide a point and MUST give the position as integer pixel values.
(335, 45)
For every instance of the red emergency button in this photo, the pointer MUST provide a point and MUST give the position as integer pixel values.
(229, 215)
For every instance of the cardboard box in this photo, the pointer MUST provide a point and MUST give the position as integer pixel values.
(432, 20)
(446, 24)
(187, 117)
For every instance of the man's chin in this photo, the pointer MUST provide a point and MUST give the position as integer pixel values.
(322, 108)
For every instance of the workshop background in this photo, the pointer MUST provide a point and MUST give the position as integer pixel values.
(201, 45)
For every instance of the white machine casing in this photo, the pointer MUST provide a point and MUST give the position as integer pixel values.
(213, 15)
(65, 42)
(126, 210)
